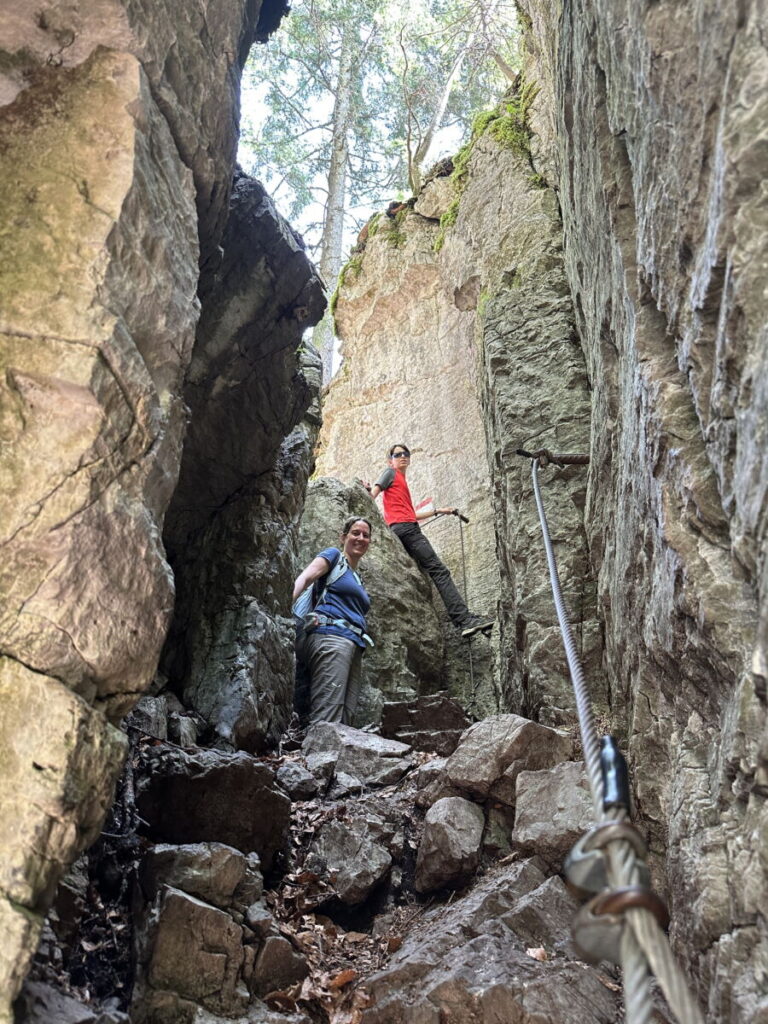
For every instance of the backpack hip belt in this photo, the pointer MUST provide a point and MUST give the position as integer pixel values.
(314, 619)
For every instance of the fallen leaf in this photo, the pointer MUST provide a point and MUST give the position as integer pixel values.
(609, 984)
(356, 937)
(394, 942)
(280, 1001)
(342, 978)
(537, 953)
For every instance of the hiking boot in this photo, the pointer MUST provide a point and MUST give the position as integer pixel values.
(477, 624)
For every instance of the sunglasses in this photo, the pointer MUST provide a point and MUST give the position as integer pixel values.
(401, 455)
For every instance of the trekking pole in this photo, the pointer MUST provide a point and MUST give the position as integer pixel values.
(463, 520)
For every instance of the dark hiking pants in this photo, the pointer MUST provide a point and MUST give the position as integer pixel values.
(423, 554)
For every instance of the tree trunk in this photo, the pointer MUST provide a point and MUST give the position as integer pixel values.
(331, 242)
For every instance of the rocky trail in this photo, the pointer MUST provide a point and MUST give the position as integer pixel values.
(352, 878)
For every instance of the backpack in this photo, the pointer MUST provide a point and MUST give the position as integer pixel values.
(311, 595)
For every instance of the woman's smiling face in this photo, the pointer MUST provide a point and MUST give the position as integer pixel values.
(357, 539)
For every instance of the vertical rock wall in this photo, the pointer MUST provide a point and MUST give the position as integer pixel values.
(119, 125)
(659, 155)
(231, 527)
(409, 375)
(505, 250)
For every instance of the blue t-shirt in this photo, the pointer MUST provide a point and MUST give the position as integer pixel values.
(346, 598)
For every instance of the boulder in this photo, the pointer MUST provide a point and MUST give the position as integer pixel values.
(193, 950)
(372, 759)
(433, 723)
(210, 796)
(432, 783)
(464, 963)
(450, 849)
(493, 752)
(554, 809)
(40, 1003)
(213, 872)
(278, 965)
(347, 855)
(543, 917)
(297, 781)
(150, 716)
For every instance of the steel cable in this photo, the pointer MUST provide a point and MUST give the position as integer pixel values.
(643, 943)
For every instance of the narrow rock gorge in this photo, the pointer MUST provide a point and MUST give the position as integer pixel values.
(586, 275)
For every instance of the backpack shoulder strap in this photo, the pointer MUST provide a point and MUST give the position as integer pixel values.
(337, 571)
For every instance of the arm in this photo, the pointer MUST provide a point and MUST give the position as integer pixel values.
(317, 567)
(424, 514)
(384, 481)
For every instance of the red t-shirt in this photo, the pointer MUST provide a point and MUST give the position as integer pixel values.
(398, 506)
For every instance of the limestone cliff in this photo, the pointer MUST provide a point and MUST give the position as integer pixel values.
(600, 259)
(119, 124)
(409, 376)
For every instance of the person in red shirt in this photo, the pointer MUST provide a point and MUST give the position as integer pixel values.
(402, 518)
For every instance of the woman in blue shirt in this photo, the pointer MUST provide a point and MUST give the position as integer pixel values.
(330, 649)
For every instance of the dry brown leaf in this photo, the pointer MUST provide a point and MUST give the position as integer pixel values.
(537, 953)
(394, 942)
(280, 1001)
(342, 978)
(355, 937)
(609, 984)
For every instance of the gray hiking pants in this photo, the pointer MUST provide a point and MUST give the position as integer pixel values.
(424, 555)
(334, 666)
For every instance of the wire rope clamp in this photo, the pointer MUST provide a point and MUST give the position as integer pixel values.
(597, 927)
(585, 866)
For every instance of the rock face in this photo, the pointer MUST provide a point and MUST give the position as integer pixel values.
(409, 375)
(119, 133)
(469, 962)
(230, 529)
(429, 723)
(658, 155)
(608, 274)
(210, 796)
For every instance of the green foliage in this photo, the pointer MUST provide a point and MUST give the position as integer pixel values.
(353, 266)
(508, 125)
(405, 51)
(511, 127)
(447, 220)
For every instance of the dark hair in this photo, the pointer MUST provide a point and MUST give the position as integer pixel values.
(405, 448)
(349, 523)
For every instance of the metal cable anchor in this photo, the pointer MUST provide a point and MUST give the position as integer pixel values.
(585, 865)
(545, 456)
(598, 925)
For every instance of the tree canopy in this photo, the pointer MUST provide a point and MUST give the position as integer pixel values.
(344, 106)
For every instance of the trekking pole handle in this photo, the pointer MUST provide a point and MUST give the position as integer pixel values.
(463, 518)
